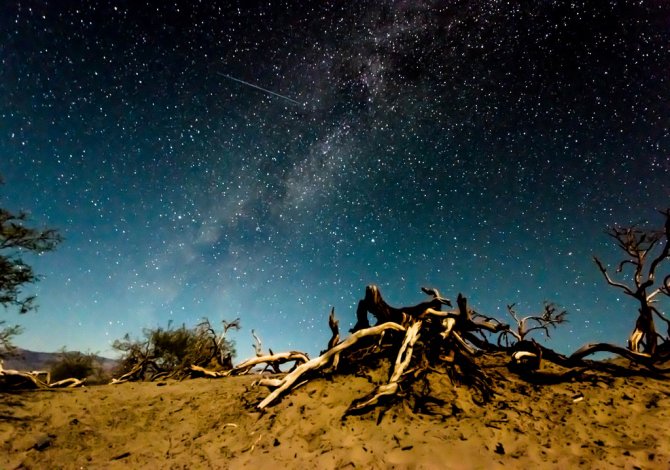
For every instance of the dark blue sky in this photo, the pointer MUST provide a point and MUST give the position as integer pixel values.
(473, 146)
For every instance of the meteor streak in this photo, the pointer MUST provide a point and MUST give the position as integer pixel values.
(259, 88)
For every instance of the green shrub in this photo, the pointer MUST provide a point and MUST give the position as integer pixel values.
(77, 365)
(170, 352)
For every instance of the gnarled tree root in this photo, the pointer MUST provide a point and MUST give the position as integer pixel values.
(10, 378)
(649, 361)
(332, 355)
(39, 379)
(272, 360)
(402, 361)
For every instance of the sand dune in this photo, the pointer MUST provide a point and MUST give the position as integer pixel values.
(597, 421)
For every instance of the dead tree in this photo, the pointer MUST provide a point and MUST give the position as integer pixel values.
(526, 325)
(639, 245)
(334, 326)
(527, 354)
(331, 356)
(271, 360)
(218, 346)
(417, 339)
(11, 379)
(374, 303)
(258, 345)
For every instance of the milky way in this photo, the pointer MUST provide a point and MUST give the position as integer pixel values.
(473, 146)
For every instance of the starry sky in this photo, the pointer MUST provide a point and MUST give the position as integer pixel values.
(475, 146)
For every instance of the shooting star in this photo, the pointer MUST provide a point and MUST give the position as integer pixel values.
(259, 88)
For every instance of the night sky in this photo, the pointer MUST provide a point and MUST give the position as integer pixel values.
(474, 146)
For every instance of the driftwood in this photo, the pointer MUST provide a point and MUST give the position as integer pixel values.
(526, 356)
(136, 373)
(282, 385)
(258, 346)
(653, 363)
(417, 341)
(441, 338)
(10, 378)
(197, 371)
(374, 303)
(68, 383)
(333, 324)
(402, 361)
(273, 360)
(434, 340)
(146, 367)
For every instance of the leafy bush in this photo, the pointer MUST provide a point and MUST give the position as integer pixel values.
(16, 239)
(171, 347)
(170, 352)
(6, 335)
(77, 365)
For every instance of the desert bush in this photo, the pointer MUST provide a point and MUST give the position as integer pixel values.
(170, 352)
(7, 332)
(171, 347)
(77, 365)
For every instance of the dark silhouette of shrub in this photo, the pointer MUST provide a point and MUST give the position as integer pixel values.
(78, 365)
(169, 352)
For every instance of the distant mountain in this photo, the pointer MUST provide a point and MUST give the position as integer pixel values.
(25, 359)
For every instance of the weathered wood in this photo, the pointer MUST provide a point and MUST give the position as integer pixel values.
(374, 303)
(258, 346)
(273, 360)
(638, 244)
(197, 371)
(333, 324)
(11, 378)
(287, 381)
(402, 361)
(40, 379)
(449, 327)
(526, 356)
(68, 383)
(652, 362)
(219, 351)
(135, 373)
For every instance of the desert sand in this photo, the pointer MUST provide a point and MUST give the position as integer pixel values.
(597, 420)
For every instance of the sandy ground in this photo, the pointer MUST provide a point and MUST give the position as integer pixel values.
(621, 422)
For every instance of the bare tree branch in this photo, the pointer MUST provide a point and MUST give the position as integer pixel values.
(609, 280)
(333, 324)
(665, 253)
(638, 244)
(258, 346)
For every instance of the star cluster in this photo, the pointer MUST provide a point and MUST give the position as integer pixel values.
(473, 146)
